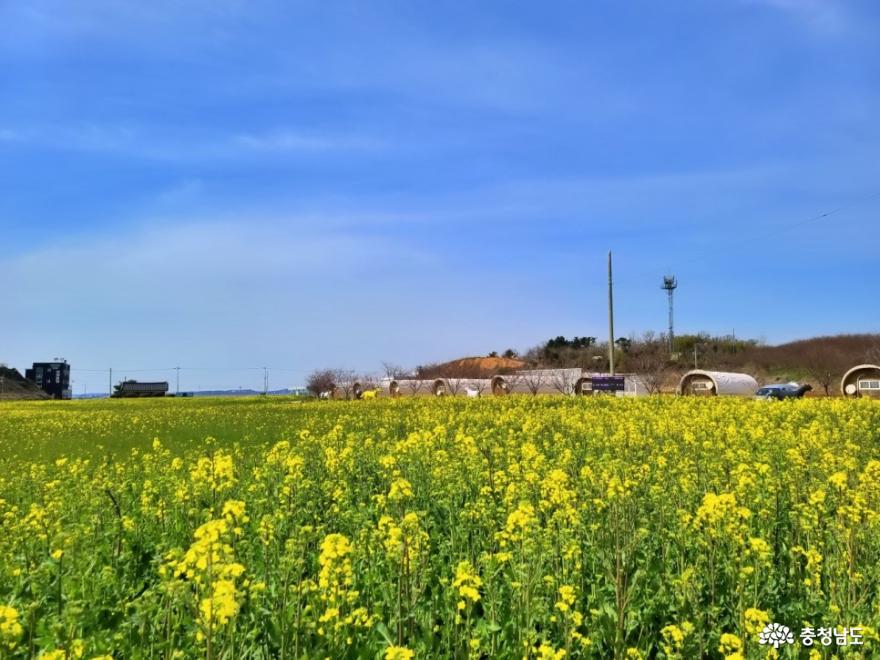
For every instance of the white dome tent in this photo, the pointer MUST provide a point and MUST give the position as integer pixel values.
(698, 382)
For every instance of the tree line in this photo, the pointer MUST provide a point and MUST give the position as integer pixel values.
(821, 361)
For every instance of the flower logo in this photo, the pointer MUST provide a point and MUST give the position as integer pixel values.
(776, 634)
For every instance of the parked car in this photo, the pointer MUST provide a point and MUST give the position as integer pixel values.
(782, 391)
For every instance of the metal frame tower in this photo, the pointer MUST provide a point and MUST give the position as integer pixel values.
(669, 285)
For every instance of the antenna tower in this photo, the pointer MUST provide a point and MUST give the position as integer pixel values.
(669, 285)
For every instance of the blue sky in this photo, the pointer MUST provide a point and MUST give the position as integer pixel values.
(227, 184)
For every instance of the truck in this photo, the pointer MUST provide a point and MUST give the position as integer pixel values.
(133, 388)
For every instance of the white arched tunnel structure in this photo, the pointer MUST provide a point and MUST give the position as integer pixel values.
(698, 382)
(862, 380)
(499, 386)
(533, 381)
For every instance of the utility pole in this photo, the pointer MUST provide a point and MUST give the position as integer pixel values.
(610, 319)
(669, 284)
(695, 356)
(177, 369)
(110, 390)
(265, 380)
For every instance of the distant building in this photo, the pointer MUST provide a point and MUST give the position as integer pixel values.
(51, 377)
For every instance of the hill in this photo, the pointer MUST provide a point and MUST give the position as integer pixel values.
(821, 361)
(471, 367)
(14, 386)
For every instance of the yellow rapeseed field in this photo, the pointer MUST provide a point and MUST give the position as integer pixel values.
(537, 527)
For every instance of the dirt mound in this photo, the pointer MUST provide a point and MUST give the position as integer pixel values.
(472, 367)
(14, 386)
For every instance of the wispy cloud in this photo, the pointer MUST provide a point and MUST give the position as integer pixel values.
(130, 140)
(248, 292)
(116, 19)
(828, 17)
(9, 135)
(288, 140)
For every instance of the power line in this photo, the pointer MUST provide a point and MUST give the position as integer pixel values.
(178, 369)
(223, 369)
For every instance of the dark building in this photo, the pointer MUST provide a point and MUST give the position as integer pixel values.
(51, 377)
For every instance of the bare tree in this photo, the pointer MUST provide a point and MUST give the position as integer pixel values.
(394, 371)
(534, 379)
(345, 380)
(414, 385)
(563, 380)
(404, 378)
(479, 385)
(320, 381)
(369, 382)
(649, 358)
(454, 377)
(822, 365)
(454, 384)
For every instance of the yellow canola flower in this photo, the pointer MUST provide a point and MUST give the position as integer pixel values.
(401, 489)
(220, 606)
(467, 582)
(567, 597)
(547, 652)
(398, 653)
(234, 509)
(746, 505)
(215, 473)
(729, 644)
(755, 620)
(56, 654)
(334, 547)
(10, 628)
(838, 480)
(673, 638)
